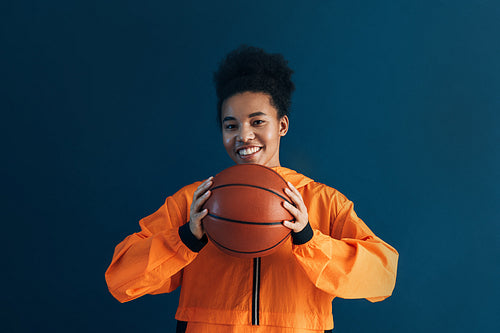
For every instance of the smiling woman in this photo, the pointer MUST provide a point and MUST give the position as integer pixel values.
(251, 129)
(332, 253)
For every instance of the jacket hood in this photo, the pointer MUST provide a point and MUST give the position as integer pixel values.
(298, 180)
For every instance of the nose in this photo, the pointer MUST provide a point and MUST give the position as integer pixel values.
(246, 134)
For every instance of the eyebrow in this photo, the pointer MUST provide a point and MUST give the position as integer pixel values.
(255, 114)
(251, 115)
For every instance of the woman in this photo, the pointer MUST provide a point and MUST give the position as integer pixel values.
(331, 253)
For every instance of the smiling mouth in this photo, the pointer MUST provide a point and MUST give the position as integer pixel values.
(246, 152)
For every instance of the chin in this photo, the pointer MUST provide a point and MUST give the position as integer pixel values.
(240, 161)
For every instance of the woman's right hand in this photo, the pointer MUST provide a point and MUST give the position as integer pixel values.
(196, 215)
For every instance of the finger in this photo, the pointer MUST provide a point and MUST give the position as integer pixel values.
(201, 200)
(197, 217)
(293, 196)
(203, 186)
(292, 209)
(289, 225)
(197, 195)
(294, 189)
(201, 214)
(299, 201)
(290, 185)
(206, 184)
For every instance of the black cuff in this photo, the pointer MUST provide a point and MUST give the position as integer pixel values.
(304, 236)
(187, 237)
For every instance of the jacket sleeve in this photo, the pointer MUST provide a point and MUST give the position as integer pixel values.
(351, 262)
(151, 261)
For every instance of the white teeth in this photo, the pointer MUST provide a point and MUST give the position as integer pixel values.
(248, 151)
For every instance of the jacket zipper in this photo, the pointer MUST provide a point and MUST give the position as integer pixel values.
(256, 291)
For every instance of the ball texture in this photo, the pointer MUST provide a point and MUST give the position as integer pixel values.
(245, 211)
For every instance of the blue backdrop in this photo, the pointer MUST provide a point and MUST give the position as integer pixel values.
(108, 107)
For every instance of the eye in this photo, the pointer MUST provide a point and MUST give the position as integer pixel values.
(258, 122)
(229, 126)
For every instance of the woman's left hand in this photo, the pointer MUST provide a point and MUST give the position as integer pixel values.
(299, 211)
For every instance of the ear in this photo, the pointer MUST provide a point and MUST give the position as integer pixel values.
(284, 123)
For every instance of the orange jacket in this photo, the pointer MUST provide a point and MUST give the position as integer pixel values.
(291, 288)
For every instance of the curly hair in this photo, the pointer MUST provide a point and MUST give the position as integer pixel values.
(249, 68)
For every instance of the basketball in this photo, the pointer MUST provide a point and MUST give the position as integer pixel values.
(245, 211)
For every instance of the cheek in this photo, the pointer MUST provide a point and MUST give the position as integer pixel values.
(227, 141)
(271, 137)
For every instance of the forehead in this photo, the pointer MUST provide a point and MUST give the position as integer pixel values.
(248, 104)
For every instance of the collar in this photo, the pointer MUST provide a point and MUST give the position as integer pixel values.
(298, 180)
